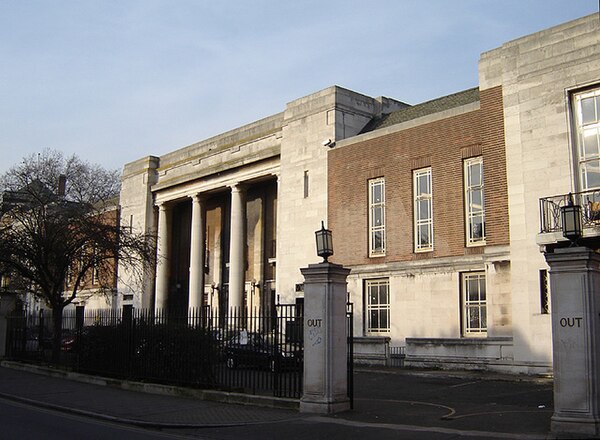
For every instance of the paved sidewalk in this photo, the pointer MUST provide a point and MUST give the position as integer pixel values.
(389, 403)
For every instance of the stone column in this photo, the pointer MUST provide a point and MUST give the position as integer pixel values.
(162, 263)
(325, 339)
(237, 245)
(197, 250)
(277, 248)
(575, 296)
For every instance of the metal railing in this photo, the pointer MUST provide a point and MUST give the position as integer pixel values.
(256, 352)
(397, 356)
(550, 213)
(350, 360)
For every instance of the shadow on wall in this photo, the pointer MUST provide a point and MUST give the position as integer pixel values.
(478, 353)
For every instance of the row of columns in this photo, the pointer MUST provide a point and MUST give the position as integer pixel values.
(237, 242)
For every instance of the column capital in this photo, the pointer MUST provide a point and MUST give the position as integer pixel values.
(162, 206)
(238, 187)
(197, 197)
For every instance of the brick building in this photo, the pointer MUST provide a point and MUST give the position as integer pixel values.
(423, 191)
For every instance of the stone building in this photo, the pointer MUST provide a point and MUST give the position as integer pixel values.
(437, 208)
(236, 214)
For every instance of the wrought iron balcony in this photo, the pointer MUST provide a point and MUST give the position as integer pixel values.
(550, 216)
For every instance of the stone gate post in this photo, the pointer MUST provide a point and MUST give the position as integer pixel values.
(7, 305)
(325, 343)
(575, 296)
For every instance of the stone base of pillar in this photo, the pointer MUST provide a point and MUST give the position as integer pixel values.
(7, 305)
(575, 287)
(575, 427)
(308, 405)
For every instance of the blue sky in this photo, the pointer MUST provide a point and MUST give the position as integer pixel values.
(113, 81)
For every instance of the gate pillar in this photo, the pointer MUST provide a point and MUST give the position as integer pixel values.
(7, 305)
(575, 296)
(325, 344)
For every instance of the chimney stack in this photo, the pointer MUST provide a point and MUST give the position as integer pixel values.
(62, 185)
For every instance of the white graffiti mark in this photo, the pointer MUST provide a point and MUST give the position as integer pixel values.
(314, 335)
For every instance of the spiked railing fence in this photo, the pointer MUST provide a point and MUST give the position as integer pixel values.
(256, 351)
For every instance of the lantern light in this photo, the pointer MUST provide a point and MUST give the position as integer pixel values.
(324, 242)
(571, 220)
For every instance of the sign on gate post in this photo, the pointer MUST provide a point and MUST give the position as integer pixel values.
(575, 295)
(325, 343)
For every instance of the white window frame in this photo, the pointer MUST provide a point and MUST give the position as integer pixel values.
(474, 304)
(95, 275)
(422, 197)
(95, 268)
(588, 152)
(377, 305)
(376, 223)
(474, 211)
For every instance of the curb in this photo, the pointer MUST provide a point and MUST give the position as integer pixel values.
(126, 421)
(470, 374)
(165, 390)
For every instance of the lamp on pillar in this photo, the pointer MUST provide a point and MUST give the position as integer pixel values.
(325, 378)
(324, 243)
(571, 220)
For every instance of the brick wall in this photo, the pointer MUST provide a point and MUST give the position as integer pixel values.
(107, 271)
(442, 145)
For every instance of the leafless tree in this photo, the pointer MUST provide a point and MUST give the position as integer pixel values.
(59, 227)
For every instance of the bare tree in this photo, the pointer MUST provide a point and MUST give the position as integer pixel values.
(59, 227)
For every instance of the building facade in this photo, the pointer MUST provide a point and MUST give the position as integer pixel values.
(437, 208)
(443, 203)
(423, 192)
(235, 214)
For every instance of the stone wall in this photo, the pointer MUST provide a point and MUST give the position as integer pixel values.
(536, 73)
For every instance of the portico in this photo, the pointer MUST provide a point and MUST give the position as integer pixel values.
(222, 235)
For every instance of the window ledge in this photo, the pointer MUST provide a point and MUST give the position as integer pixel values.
(478, 340)
(476, 244)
